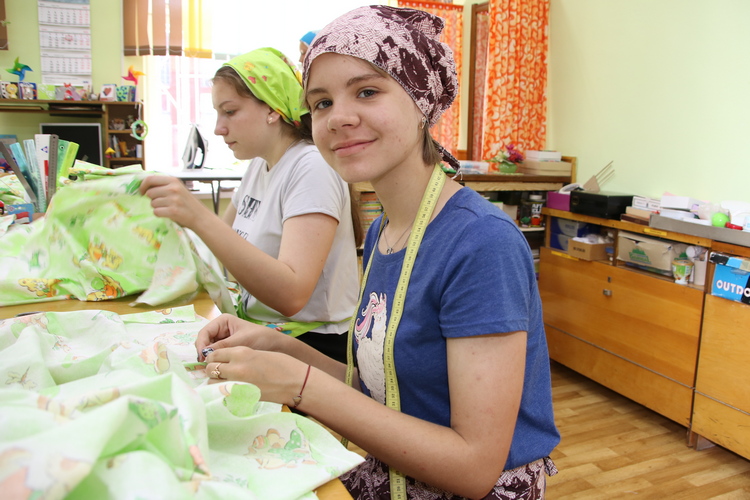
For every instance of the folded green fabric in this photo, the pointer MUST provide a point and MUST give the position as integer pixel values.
(100, 240)
(96, 405)
(11, 190)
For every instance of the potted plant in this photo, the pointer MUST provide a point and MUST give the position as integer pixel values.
(507, 160)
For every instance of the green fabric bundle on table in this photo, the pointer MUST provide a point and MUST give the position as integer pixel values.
(96, 405)
(11, 190)
(100, 240)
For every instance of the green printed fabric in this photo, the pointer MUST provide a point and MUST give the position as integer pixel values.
(100, 240)
(96, 405)
(11, 190)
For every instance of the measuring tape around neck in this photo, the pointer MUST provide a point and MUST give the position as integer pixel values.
(392, 395)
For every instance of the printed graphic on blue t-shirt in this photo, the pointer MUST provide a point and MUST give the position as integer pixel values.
(369, 334)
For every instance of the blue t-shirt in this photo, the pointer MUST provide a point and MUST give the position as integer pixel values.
(473, 275)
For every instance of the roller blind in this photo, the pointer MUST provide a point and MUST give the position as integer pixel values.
(166, 27)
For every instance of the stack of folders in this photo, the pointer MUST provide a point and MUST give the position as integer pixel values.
(39, 164)
(641, 209)
(545, 163)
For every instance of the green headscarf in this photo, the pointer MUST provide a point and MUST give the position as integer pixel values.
(273, 79)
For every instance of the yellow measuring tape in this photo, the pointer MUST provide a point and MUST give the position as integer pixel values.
(392, 395)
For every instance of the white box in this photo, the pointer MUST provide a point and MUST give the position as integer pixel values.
(680, 202)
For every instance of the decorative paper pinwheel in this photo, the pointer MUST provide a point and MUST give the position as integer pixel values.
(133, 75)
(19, 69)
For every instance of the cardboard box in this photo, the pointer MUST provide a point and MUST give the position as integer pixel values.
(588, 251)
(651, 254)
(680, 202)
(572, 228)
(731, 278)
(558, 201)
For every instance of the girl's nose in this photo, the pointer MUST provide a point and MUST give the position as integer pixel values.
(220, 129)
(341, 117)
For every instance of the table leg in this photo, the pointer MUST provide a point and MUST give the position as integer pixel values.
(216, 195)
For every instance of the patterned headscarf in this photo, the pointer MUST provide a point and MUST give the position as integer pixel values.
(273, 79)
(402, 42)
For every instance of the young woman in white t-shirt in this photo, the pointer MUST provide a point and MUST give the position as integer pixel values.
(290, 235)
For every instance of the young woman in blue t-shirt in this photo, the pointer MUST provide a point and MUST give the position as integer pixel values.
(448, 387)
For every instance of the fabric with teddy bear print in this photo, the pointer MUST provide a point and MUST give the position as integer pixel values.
(100, 240)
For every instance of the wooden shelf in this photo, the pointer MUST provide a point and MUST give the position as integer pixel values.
(630, 227)
(100, 111)
(53, 108)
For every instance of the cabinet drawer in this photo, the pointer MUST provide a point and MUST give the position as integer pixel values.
(658, 393)
(722, 425)
(649, 321)
(723, 372)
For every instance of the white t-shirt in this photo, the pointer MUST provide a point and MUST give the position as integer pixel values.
(300, 183)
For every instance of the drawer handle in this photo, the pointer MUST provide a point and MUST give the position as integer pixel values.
(607, 292)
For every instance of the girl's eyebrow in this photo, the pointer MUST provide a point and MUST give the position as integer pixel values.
(352, 81)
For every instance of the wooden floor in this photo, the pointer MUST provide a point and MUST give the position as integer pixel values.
(614, 448)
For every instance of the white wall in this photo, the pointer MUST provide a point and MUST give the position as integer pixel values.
(660, 87)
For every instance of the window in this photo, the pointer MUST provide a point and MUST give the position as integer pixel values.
(177, 90)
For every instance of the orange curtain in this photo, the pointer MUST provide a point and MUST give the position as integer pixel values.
(446, 129)
(515, 101)
(479, 62)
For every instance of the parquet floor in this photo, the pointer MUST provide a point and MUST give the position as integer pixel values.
(613, 448)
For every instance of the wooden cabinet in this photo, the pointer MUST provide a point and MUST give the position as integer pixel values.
(721, 411)
(89, 111)
(636, 334)
(675, 349)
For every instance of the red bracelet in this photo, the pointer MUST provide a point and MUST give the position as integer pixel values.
(298, 398)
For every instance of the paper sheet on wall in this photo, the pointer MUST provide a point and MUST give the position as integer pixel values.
(65, 42)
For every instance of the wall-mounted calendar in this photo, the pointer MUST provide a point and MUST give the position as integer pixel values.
(65, 41)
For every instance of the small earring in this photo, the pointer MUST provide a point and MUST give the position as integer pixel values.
(423, 123)
(269, 120)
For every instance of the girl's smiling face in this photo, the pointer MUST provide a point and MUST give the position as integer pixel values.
(241, 121)
(364, 123)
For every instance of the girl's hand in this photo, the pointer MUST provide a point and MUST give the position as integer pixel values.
(171, 199)
(278, 376)
(230, 331)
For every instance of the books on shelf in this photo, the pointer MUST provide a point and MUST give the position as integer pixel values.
(635, 219)
(639, 212)
(545, 167)
(637, 215)
(543, 155)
